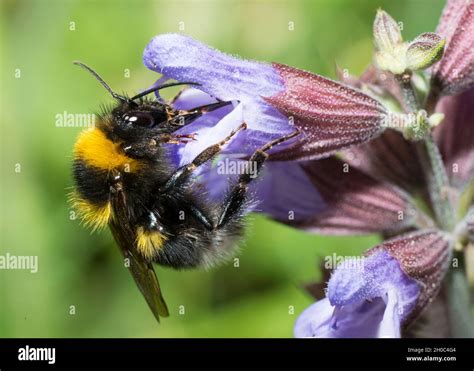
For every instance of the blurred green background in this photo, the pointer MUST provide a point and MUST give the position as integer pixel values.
(77, 268)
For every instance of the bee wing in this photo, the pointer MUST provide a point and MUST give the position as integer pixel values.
(141, 270)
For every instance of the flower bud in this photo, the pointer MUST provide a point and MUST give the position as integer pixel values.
(387, 35)
(424, 51)
(435, 119)
(389, 46)
(395, 56)
(393, 62)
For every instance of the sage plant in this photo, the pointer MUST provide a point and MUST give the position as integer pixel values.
(390, 152)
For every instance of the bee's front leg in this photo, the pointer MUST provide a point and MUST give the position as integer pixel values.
(147, 148)
(182, 174)
(237, 196)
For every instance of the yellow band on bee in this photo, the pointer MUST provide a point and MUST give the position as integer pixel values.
(149, 242)
(97, 150)
(94, 215)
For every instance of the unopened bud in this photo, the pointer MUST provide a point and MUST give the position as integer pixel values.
(395, 56)
(424, 51)
(435, 119)
(387, 34)
(390, 50)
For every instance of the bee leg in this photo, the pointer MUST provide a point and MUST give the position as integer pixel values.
(177, 139)
(202, 218)
(185, 117)
(237, 195)
(183, 173)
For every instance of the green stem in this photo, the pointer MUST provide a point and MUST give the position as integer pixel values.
(458, 304)
(438, 185)
(457, 288)
(409, 95)
(435, 172)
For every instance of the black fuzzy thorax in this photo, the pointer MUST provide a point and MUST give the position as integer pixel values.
(188, 243)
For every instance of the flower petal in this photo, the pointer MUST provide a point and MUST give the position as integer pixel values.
(381, 83)
(190, 98)
(370, 297)
(227, 78)
(370, 278)
(356, 202)
(391, 321)
(354, 321)
(331, 115)
(286, 193)
(382, 293)
(211, 129)
(220, 75)
(316, 316)
(282, 189)
(423, 256)
(455, 136)
(455, 72)
(391, 158)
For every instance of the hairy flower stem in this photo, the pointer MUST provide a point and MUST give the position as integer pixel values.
(459, 316)
(458, 304)
(408, 93)
(435, 172)
(438, 185)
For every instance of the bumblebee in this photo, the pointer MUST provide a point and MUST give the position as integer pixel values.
(124, 179)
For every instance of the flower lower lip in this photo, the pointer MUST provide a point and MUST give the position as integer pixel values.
(192, 114)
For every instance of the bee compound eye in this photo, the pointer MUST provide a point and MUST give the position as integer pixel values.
(139, 118)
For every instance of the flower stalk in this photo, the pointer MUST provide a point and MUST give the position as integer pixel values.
(408, 92)
(434, 168)
(438, 187)
(458, 303)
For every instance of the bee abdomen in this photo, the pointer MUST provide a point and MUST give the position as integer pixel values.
(91, 182)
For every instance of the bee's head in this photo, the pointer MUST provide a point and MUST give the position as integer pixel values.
(141, 119)
(140, 116)
(117, 147)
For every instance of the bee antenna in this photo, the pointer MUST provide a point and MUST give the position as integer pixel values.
(104, 84)
(156, 88)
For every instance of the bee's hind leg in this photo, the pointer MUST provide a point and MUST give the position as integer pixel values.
(237, 196)
(181, 175)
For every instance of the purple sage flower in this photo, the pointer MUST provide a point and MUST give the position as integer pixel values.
(455, 72)
(362, 185)
(272, 99)
(375, 154)
(351, 201)
(381, 294)
(455, 137)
